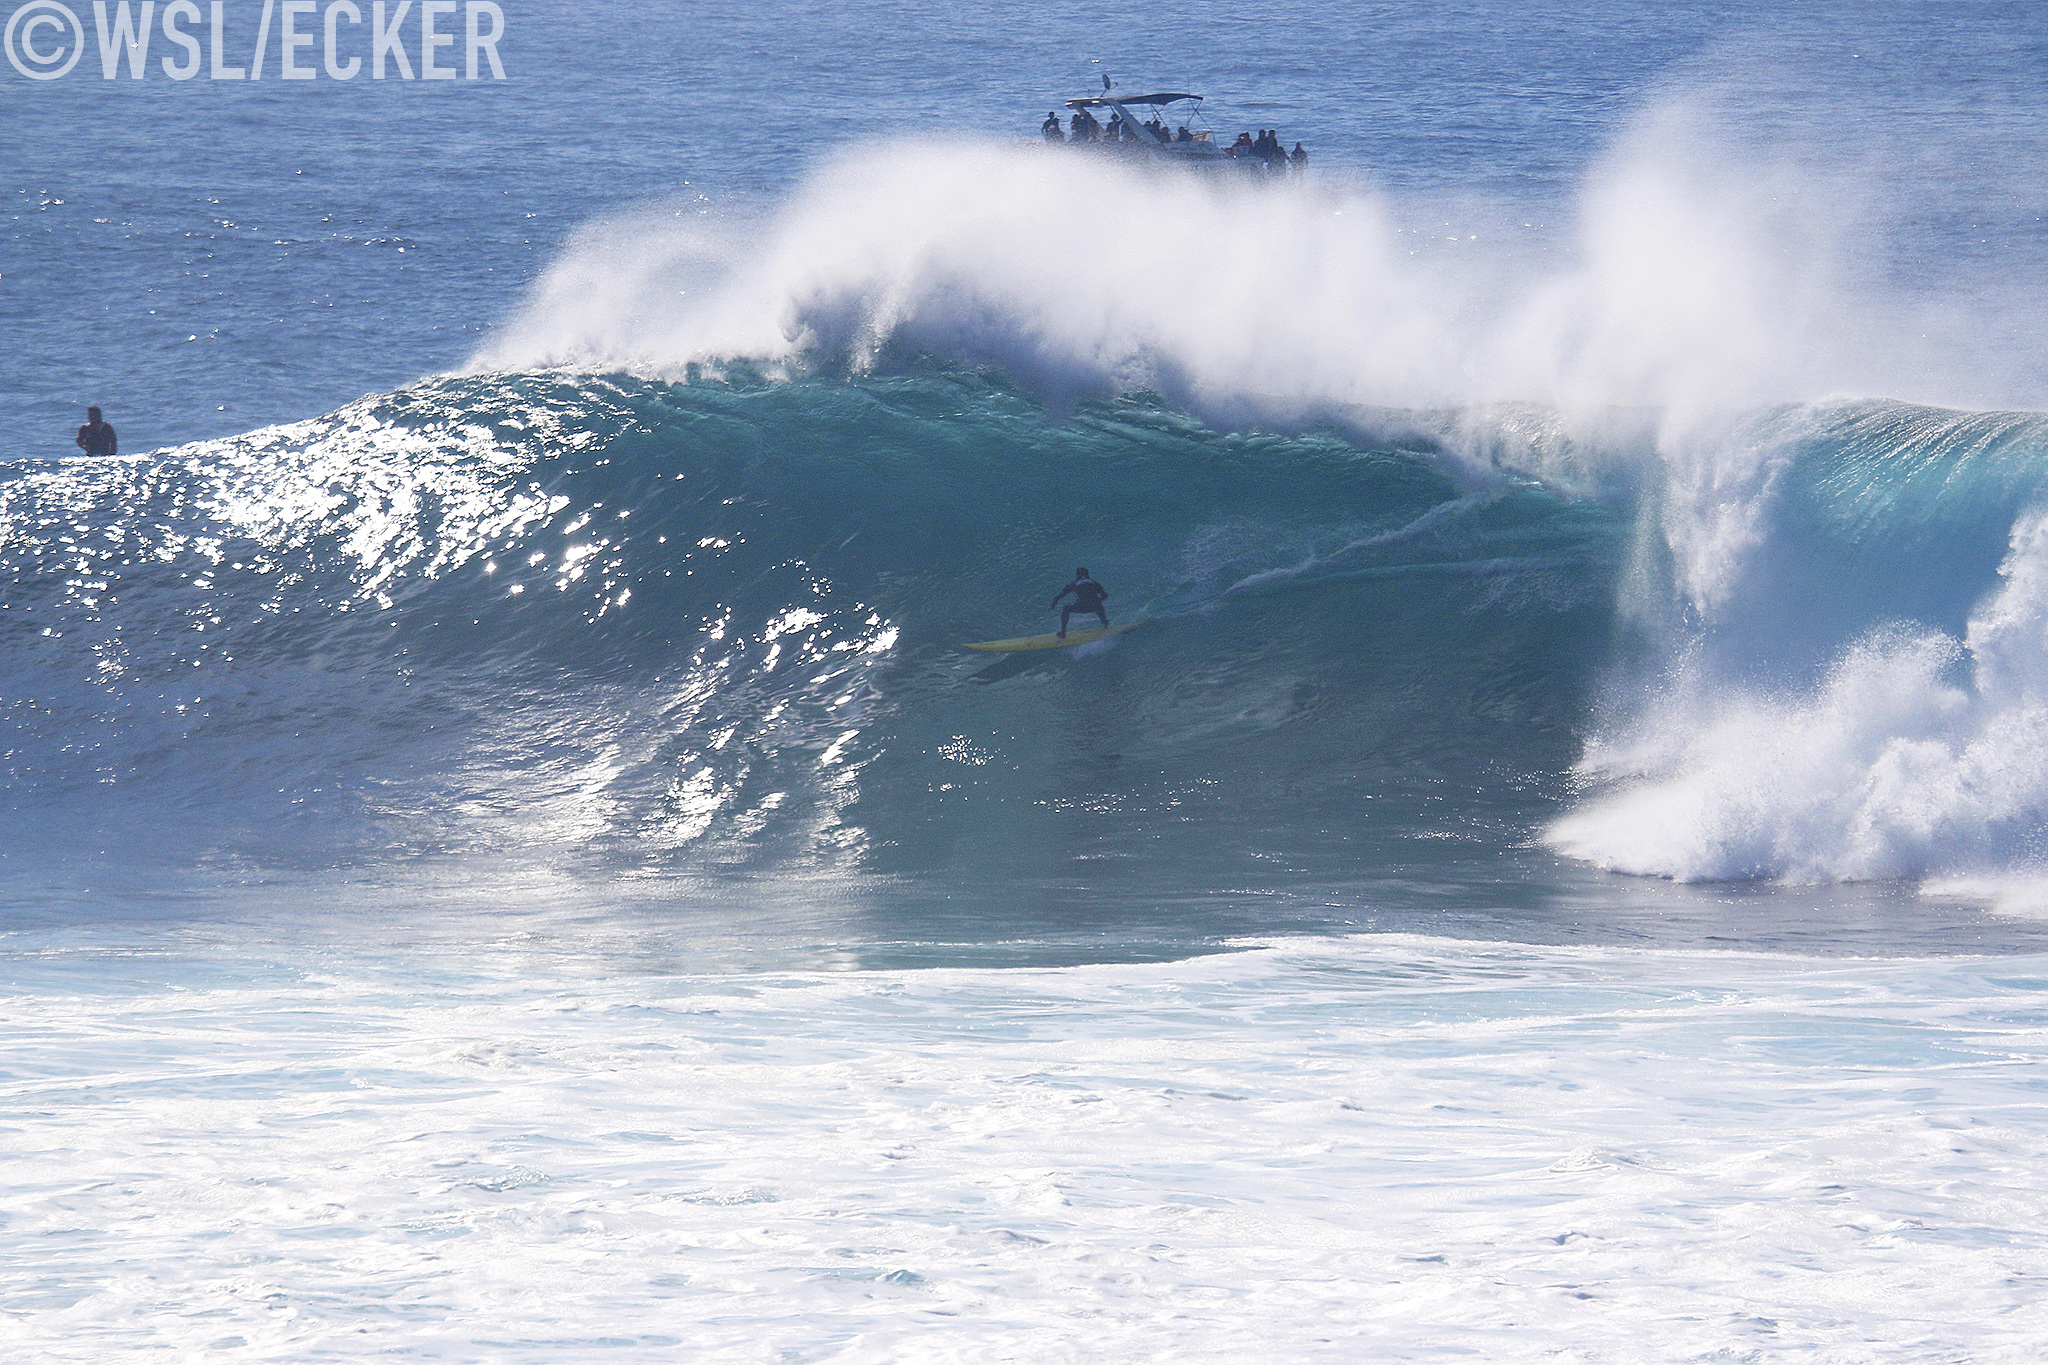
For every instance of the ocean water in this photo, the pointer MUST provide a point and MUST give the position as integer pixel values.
(503, 856)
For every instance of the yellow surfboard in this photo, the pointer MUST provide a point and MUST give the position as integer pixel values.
(1074, 637)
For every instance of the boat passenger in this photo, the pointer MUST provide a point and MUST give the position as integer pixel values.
(1298, 159)
(1050, 129)
(1185, 135)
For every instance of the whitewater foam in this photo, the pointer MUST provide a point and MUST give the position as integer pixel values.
(1688, 289)
(1397, 1147)
(1917, 755)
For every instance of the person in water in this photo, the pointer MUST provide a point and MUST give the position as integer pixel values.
(96, 437)
(1088, 597)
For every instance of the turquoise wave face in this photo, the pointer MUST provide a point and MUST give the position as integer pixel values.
(719, 626)
(626, 626)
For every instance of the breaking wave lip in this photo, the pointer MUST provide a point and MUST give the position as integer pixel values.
(1707, 271)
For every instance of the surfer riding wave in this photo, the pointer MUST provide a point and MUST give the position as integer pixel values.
(1088, 597)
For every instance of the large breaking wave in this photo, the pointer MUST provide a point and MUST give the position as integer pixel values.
(720, 623)
(1433, 551)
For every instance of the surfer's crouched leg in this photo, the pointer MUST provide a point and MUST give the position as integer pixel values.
(1067, 613)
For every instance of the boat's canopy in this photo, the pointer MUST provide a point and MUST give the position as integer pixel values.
(1104, 101)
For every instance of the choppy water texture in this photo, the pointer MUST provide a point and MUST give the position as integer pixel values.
(516, 864)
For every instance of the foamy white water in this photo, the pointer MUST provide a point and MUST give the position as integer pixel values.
(1387, 1148)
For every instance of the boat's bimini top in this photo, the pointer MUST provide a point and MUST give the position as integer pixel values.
(1105, 101)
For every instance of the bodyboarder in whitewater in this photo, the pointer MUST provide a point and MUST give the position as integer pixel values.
(1088, 597)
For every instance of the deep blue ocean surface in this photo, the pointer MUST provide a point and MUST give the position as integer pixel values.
(503, 855)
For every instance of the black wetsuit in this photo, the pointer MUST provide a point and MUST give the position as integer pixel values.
(1088, 598)
(96, 438)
